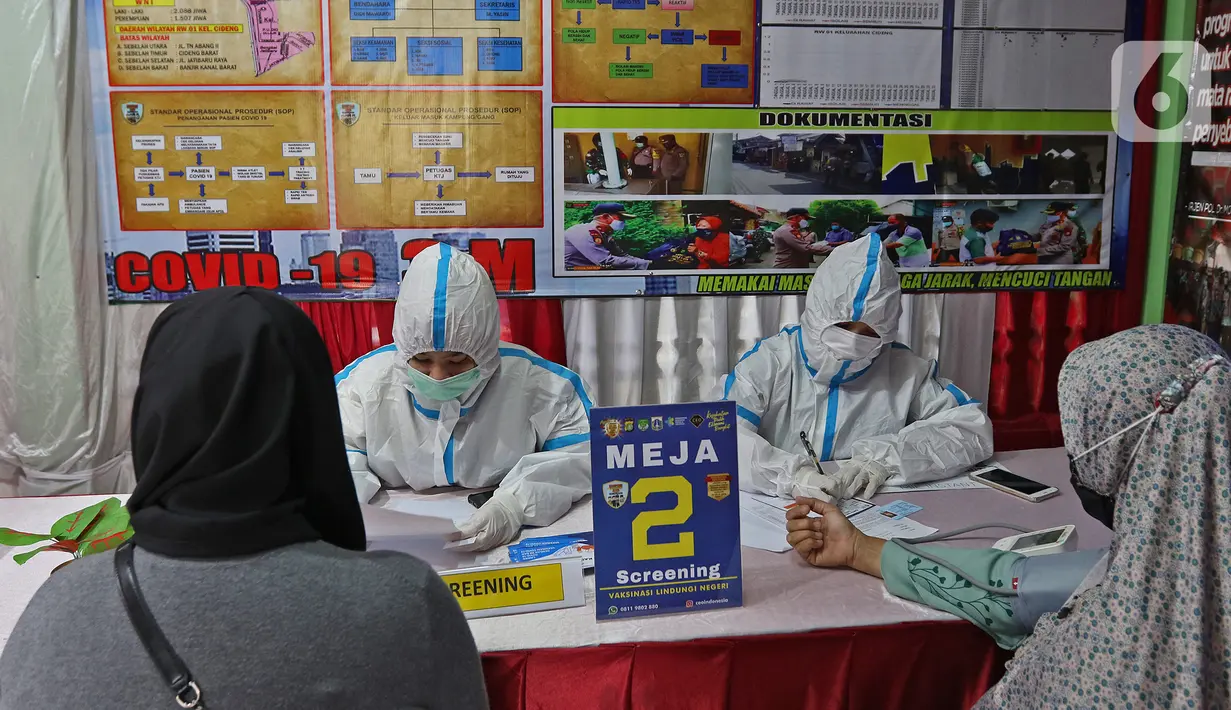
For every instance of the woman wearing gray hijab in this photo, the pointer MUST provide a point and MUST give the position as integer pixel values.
(1145, 420)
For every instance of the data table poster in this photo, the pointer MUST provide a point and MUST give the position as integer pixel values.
(848, 67)
(314, 147)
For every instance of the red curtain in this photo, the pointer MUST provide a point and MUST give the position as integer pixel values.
(1035, 332)
(937, 665)
(352, 328)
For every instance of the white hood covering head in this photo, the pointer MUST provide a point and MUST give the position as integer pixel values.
(447, 304)
(857, 282)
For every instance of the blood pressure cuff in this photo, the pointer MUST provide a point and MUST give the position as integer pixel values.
(1046, 582)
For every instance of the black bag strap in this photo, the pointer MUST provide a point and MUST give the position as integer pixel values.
(170, 665)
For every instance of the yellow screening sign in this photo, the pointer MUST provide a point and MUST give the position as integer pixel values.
(505, 587)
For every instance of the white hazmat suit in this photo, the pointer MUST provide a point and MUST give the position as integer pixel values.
(886, 411)
(523, 427)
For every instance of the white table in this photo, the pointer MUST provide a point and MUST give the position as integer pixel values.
(781, 593)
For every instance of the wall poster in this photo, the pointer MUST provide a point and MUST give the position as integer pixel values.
(1199, 273)
(606, 147)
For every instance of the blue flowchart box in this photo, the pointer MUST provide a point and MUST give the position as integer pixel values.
(373, 10)
(628, 4)
(373, 49)
(434, 56)
(500, 54)
(724, 76)
(498, 10)
(677, 36)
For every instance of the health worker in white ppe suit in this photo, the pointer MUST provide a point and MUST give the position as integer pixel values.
(840, 378)
(449, 404)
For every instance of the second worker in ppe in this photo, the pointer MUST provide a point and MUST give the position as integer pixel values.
(840, 378)
(449, 404)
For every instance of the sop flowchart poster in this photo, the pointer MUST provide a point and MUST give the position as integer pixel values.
(314, 147)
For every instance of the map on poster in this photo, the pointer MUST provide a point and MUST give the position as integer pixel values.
(314, 147)
(203, 42)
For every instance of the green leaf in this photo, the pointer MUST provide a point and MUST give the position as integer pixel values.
(112, 521)
(69, 546)
(103, 544)
(73, 525)
(15, 538)
(25, 556)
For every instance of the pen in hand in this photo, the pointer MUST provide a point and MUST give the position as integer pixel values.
(803, 436)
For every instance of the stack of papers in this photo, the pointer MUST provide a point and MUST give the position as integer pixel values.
(455, 508)
(763, 520)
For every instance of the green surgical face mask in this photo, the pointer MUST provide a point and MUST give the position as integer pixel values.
(444, 390)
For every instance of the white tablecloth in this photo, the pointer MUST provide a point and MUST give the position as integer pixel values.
(781, 593)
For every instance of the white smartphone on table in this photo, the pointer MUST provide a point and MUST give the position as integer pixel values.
(1006, 481)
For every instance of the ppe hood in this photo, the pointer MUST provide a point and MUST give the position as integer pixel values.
(447, 303)
(856, 283)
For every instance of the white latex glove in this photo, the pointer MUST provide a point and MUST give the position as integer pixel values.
(860, 476)
(496, 523)
(810, 483)
(366, 485)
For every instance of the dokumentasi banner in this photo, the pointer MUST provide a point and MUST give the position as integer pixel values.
(606, 147)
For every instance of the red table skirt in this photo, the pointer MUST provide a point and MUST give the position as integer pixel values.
(927, 665)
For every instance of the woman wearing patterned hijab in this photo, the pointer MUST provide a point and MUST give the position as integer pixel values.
(1156, 632)
(1145, 420)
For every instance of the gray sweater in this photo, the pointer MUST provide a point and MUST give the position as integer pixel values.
(304, 626)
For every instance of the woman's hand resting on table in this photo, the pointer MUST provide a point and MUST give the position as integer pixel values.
(831, 540)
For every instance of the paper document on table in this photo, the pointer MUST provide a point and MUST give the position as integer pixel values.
(902, 509)
(873, 522)
(762, 519)
(773, 509)
(455, 508)
(759, 533)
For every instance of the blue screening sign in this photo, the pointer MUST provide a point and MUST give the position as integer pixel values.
(666, 509)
